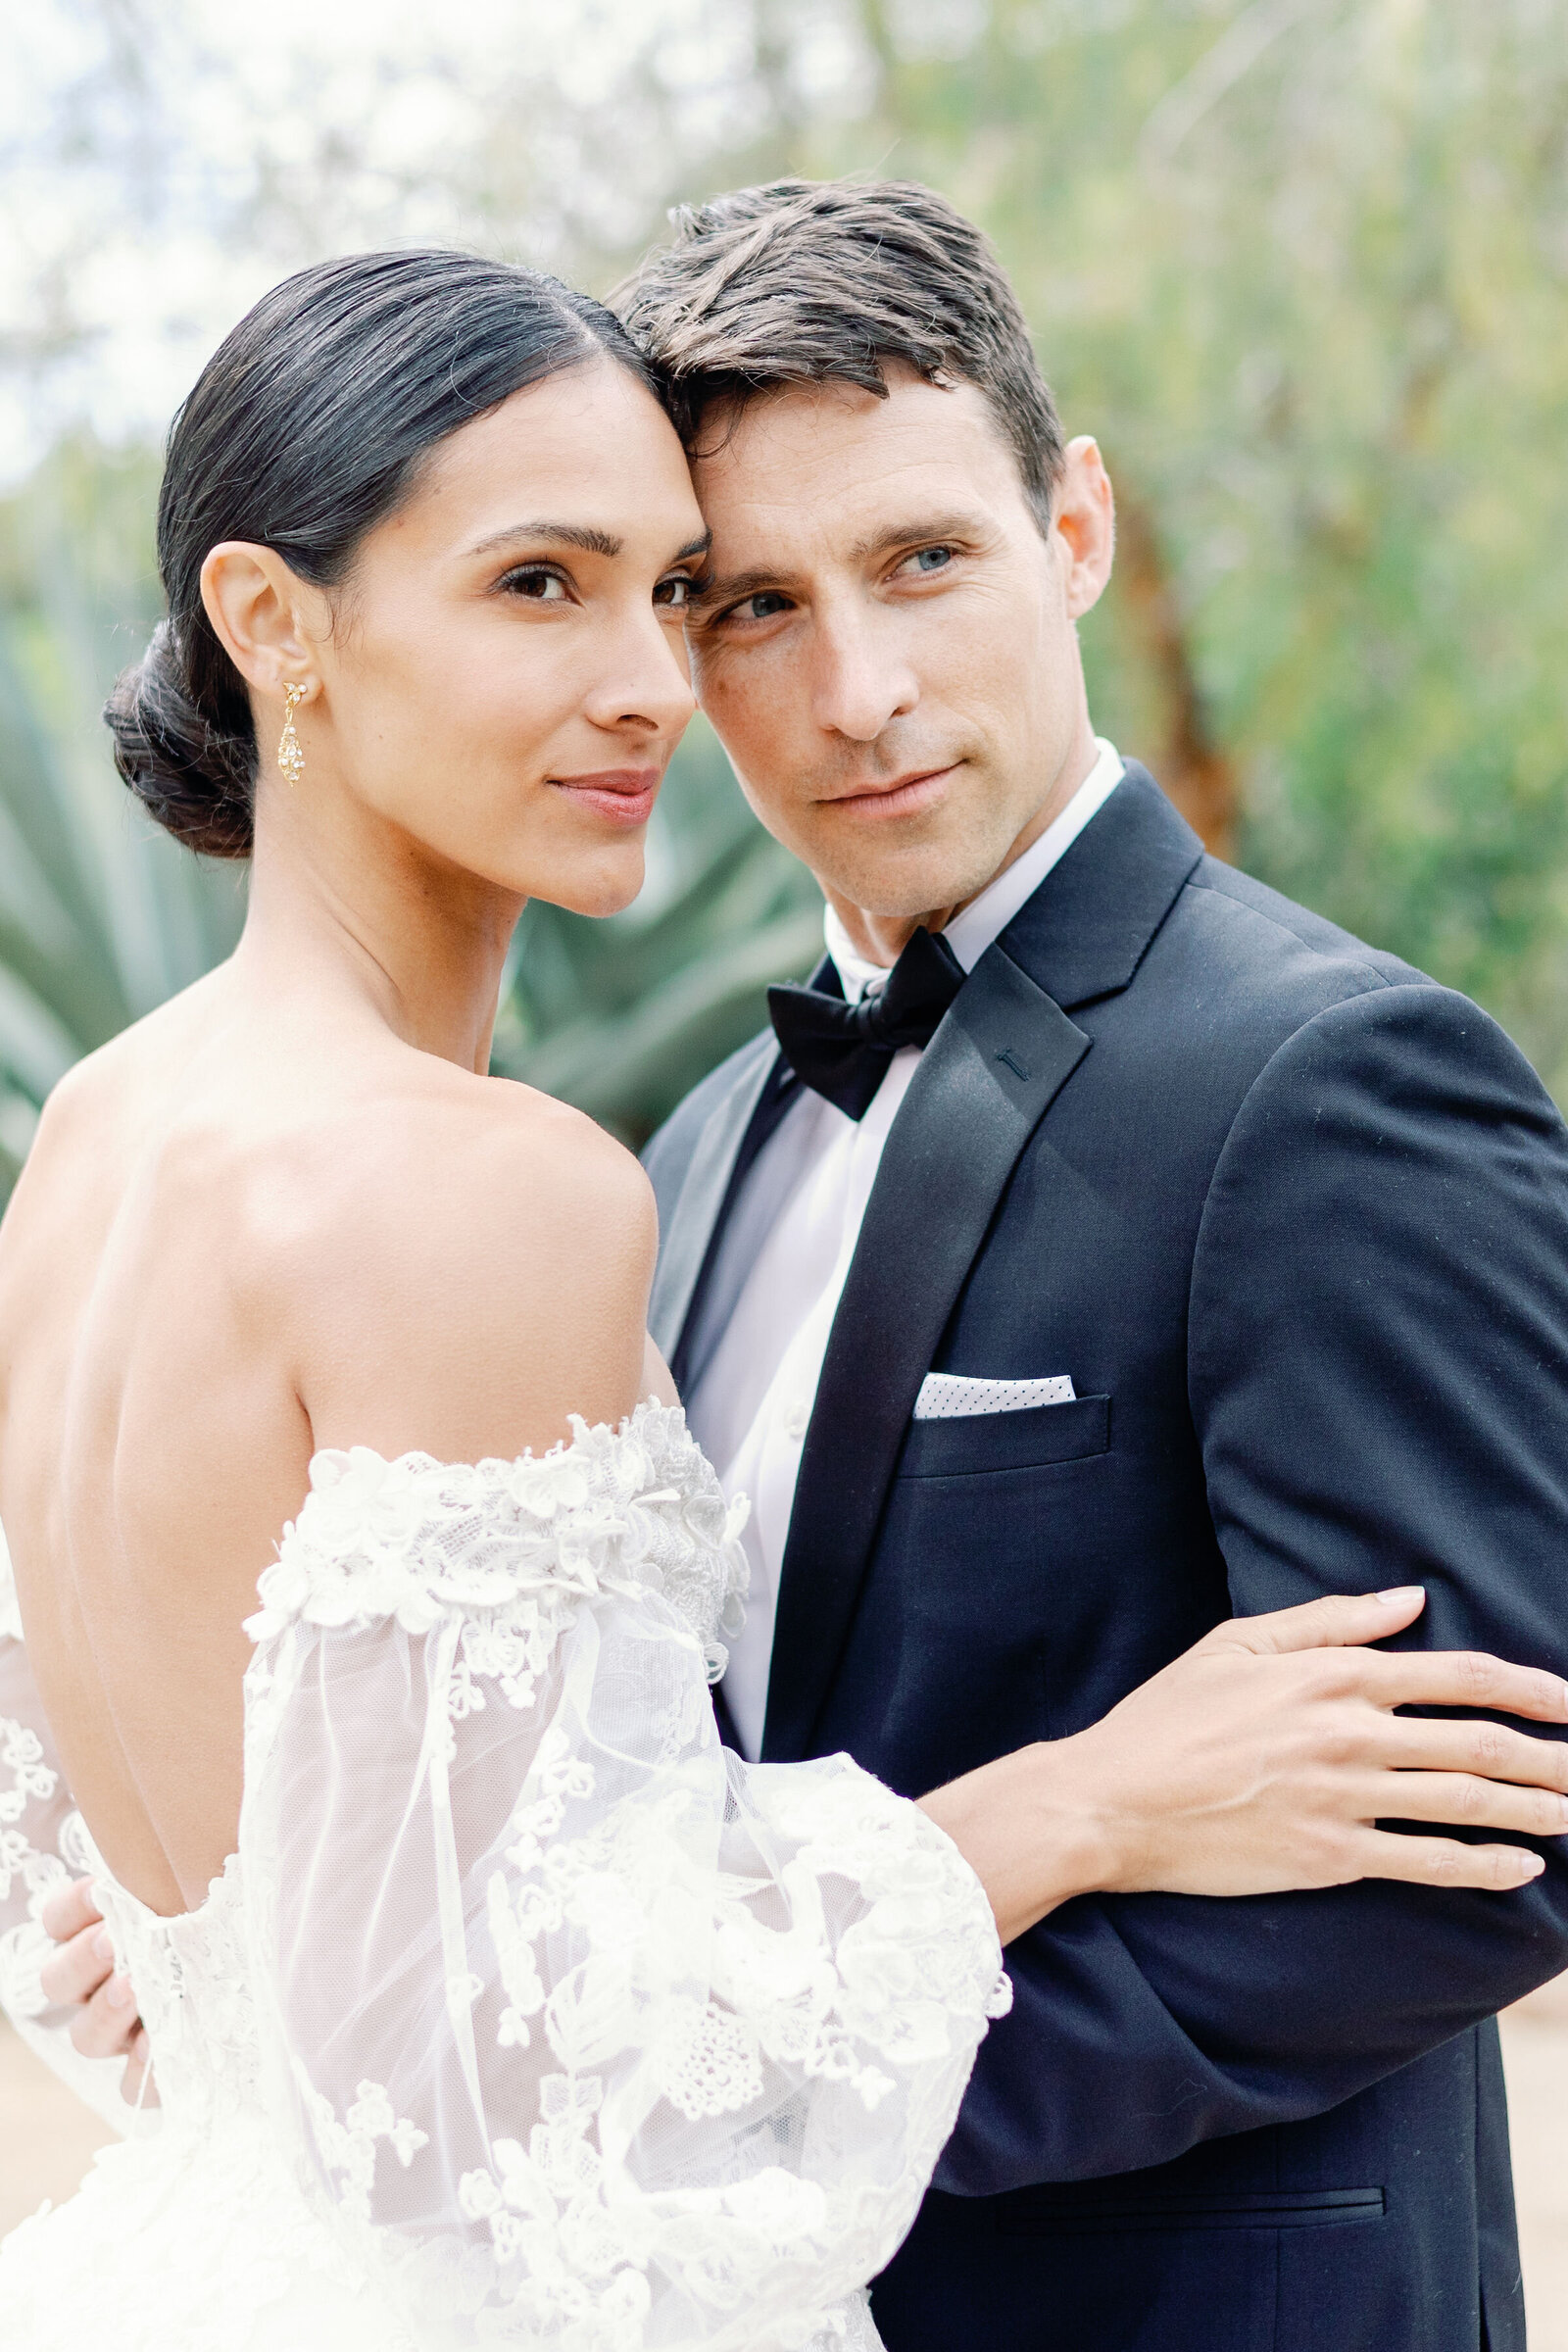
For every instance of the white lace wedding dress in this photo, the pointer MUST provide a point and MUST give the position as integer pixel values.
(524, 2014)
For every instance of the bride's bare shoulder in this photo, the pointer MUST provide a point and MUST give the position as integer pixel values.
(427, 1259)
(98, 1119)
(469, 1263)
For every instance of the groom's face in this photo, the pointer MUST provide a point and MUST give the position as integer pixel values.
(887, 647)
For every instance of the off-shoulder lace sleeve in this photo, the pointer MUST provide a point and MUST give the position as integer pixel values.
(590, 2035)
(42, 1845)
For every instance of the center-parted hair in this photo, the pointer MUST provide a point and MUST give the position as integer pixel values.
(303, 431)
(812, 281)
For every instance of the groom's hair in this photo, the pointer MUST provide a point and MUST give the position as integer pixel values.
(814, 281)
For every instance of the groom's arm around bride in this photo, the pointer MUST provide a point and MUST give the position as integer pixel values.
(1237, 1251)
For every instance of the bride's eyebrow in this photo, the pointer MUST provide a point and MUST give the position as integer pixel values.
(577, 535)
(559, 535)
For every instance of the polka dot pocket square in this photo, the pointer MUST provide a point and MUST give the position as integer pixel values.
(951, 1397)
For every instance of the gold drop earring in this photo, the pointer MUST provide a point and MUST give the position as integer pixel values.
(290, 757)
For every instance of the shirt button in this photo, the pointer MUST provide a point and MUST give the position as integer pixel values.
(795, 1422)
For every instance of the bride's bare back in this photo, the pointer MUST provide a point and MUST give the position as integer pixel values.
(222, 1220)
(286, 1211)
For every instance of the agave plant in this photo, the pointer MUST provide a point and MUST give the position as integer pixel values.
(102, 916)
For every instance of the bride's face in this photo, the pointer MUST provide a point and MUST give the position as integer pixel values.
(501, 677)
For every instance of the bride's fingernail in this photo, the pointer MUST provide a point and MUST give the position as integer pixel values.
(103, 1945)
(1400, 1594)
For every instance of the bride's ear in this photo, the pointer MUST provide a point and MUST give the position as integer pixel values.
(262, 615)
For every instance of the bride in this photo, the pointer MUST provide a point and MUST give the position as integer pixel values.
(490, 1999)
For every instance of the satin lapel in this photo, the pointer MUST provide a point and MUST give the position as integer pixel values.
(699, 1201)
(986, 1078)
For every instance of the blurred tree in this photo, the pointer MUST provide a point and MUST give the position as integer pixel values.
(158, 119)
(1303, 267)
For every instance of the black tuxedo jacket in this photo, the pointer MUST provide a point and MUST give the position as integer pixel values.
(1295, 1220)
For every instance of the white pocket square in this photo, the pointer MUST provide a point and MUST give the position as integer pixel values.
(949, 1397)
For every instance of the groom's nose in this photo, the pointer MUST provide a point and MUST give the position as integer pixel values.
(861, 677)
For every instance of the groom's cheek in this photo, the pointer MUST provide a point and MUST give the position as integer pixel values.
(752, 709)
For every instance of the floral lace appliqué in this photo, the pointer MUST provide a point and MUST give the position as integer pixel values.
(663, 2046)
(613, 1511)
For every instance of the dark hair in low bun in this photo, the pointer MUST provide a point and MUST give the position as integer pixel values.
(195, 776)
(303, 431)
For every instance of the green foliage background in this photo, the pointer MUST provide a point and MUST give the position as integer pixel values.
(1301, 266)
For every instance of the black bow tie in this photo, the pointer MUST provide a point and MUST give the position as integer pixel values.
(843, 1051)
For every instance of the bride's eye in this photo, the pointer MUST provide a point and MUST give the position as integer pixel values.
(536, 585)
(674, 594)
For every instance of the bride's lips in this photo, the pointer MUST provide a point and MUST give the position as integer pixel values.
(625, 794)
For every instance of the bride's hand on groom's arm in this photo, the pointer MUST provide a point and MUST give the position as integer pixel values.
(81, 1974)
(1261, 1760)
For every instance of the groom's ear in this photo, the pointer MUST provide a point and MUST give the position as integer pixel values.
(268, 620)
(1083, 525)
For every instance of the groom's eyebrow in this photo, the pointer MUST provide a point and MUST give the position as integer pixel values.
(927, 530)
(736, 586)
(924, 531)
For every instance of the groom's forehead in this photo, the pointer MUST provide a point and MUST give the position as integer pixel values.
(830, 460)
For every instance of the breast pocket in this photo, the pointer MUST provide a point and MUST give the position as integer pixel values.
(974, 1442)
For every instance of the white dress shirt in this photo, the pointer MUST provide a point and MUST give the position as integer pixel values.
(787, 1248)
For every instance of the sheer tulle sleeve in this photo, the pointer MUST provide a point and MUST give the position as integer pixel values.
(43, 1844)
(589, 2034)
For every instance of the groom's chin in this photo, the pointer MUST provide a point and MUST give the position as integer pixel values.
(906, 868)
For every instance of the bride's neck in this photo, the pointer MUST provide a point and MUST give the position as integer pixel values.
(349, 911)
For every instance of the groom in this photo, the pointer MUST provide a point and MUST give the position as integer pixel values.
(1142, 1249)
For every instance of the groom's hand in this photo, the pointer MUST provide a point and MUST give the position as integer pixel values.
(81, 1974)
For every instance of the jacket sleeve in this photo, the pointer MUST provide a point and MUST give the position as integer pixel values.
(1378, 1379)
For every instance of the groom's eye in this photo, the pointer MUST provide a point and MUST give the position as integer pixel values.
(763, 605)
(925, 560)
